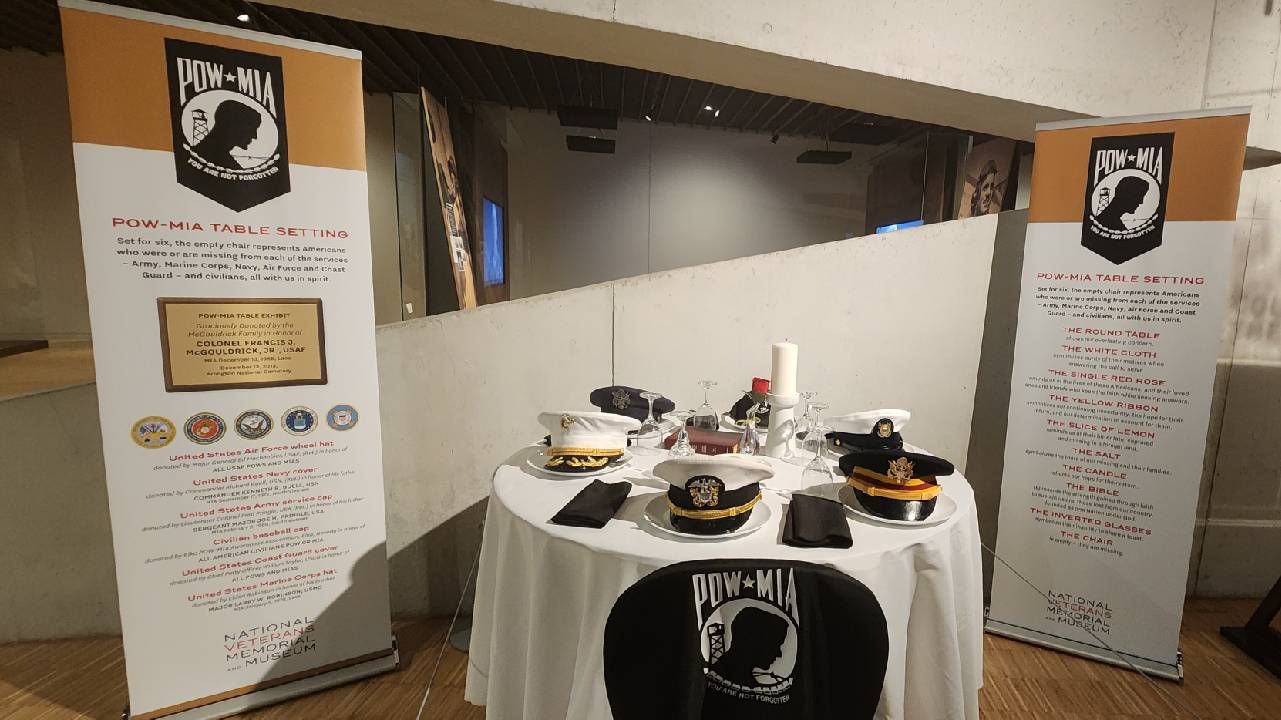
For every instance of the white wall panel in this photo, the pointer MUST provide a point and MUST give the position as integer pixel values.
(882, 321)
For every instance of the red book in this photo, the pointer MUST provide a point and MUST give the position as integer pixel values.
(708, 442)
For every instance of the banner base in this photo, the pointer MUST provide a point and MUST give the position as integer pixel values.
(1151, 667)
(289, 690)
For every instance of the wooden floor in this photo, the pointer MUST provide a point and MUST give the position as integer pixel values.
(85, 679)
(61, 365)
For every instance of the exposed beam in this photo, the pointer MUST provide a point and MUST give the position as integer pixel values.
(505, 61)
(538, 84)
(413, 42)
(751, 121)
(733, 120)
(406, 80)
(782, 126)
(447, 54)
(689, 86)
(769, 121)
(498, 94)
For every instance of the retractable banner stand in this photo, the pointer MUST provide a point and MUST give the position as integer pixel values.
(1125, 282)
(221, 179)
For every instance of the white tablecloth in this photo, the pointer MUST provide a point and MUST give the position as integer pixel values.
(544, 592)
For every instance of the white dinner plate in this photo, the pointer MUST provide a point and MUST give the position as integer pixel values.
(536, 462)
(943, 510)
(657, 514)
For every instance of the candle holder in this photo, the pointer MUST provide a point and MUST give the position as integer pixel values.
(782, 425)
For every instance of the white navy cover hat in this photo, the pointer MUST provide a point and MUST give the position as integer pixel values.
(712, 494)
(869, 429)
(585, 441)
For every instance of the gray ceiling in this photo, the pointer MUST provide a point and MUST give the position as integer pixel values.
(399, 60)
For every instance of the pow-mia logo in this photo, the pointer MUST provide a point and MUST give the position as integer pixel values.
(621, 401)
(705, 490)
(1127, 181)
(227, 109)
(253, 424)
(749, 622)
(884, 427)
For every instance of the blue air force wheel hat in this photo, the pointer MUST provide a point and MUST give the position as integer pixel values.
(869, 429)
(894, 484)
(623, 400)
(712, 494)
(583, 442)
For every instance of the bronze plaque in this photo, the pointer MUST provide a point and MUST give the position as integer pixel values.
(228, 343)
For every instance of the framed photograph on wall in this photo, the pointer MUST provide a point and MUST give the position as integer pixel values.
(987, 177)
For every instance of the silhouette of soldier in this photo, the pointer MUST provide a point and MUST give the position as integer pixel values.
(1129, 195)
(235, 126)
(758, 642)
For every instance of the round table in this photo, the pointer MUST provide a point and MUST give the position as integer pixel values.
(544, 592)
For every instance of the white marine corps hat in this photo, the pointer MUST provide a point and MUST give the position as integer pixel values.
(582, 441)
(869, 429)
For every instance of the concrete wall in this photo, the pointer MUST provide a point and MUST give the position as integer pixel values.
(42, 281)
(669, 197)
(1240, 514)
(994, 68)
(461, 391)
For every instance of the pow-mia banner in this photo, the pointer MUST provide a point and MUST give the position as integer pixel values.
(746, 640)
(221, 179)
(1125, 281)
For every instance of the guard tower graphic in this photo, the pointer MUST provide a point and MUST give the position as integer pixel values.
(199, 126)
(715, 642)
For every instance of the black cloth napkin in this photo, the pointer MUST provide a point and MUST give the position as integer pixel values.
(816, 522)
(594, 505)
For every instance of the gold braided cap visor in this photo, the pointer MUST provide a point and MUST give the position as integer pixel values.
(718, 514)
(878, 485)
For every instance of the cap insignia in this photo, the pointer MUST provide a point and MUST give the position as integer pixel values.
(566, 420)
(621, 401)
(900, 469)
(884, 428)
(704, 491)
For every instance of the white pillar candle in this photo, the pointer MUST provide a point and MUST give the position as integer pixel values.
(783, 369)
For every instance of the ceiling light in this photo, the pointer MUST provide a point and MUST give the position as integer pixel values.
(716, 114)
(648, 118)
(708, 107)
(243, 17)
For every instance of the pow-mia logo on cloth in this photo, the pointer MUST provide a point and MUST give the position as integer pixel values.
(749, 625)
(1126, 186)
(227, 109)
